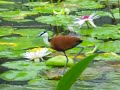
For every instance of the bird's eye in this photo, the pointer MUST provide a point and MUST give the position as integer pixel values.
(42, 33)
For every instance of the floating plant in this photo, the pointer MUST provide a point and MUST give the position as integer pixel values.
(18, 33)
(56, 20)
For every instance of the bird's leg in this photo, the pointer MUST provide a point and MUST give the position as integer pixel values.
(66, 63)
(82, 48)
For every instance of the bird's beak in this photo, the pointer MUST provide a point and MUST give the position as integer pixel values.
(38, 35)
(41, 34)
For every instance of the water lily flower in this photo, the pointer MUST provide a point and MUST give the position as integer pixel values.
(37, 54)
(86, 19)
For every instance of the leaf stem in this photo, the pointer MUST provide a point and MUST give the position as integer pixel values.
(109, 9)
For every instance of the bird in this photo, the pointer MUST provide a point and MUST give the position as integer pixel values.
(62, 43)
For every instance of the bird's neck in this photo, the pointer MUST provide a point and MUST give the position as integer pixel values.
(46, 40)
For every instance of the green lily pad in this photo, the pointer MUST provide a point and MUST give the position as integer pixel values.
(13, 75)
(107, 56)
(26, 65)
(16, 15)
(16, 42)
(6, 2)
(110, 46)
(59, 61)
(9, 53)
(43, 82)
(86, 4)
(14, 87)
(5, 30)
(56, 20)
(36, 4)
(106, 32)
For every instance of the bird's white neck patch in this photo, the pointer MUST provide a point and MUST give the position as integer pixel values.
(45, 39)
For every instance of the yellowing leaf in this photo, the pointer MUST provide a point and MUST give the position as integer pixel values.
(7, 43)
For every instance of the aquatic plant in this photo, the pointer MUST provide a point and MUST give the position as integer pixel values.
(36, 54)
(88, 19)
(71, 76)
(62, 11)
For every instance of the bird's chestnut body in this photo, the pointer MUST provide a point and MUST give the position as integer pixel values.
(63, 43)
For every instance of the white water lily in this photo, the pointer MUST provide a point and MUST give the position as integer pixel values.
(37, 54)
(87, 18)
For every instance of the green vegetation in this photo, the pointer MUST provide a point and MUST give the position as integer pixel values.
(22, 20)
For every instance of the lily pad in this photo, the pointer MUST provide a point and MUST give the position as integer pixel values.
(86, 4)
(36, 4)
(42, 82)
(13, 75)
(16, 15)
(56, 20)
(59, 61)
(107, 56)
(5, 30)
(6, 2)
(26, 65)
(9, 53)
(110, 46)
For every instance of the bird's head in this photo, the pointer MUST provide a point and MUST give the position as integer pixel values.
(43, 34)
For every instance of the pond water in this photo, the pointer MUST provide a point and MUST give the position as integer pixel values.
(21, 22)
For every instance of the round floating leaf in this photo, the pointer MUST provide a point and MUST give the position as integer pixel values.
(56, 20)
(36, 4)
(108, 56)
(59, 61)
(16, 15)
(5, 30)
(43, 83)
(10, 53)
(26, 65)
(14, 87)
(6, 2)
(106, 32)
(86, 4)
(110, 46)
(18, 75)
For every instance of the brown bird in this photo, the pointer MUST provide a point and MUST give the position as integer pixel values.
(62, 43)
